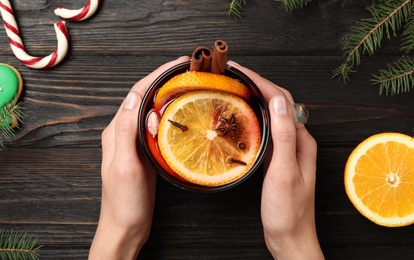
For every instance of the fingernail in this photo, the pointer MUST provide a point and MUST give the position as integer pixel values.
(279, 105)
(131, 100)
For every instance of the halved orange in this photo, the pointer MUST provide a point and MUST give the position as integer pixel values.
(209, 138)
(379, 179)
(197, 80)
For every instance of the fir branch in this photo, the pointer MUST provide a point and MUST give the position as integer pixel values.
(367, 34)
(291, 5)
(234, 9)
(408, 35)
(398, 78)
(10, 114)
(18, 245)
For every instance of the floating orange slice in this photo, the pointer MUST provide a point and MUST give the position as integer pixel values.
(379, 179)
(196, 80)
(209, 138)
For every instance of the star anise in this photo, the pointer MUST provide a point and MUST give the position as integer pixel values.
(227, 126)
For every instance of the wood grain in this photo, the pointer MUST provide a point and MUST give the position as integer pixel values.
(50, 174)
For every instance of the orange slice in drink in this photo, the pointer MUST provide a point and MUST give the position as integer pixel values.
(196, 80)
(379, 179)
(209, 138)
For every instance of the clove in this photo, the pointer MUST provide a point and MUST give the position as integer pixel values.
(231, 160)
(176, 124)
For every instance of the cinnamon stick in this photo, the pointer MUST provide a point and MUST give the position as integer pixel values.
(201, 59)
(218, 63)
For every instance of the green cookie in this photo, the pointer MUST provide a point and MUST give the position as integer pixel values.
(9, 84)
(10, 87)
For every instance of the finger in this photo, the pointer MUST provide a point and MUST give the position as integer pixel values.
(142, 86)
(126, 130)
(284, 137)
(267, 88)
(306, 152)
(108, 147)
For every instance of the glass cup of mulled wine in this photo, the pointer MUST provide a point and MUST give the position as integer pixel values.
(226, 127)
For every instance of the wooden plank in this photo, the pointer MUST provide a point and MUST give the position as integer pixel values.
(150, 28)
(58, 200)
(70, 107)
(50, 174)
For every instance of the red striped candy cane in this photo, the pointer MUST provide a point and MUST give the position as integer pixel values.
(17, 45)
(78, 15)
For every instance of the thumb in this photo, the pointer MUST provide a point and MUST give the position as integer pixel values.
(283, 135)
(126, 129)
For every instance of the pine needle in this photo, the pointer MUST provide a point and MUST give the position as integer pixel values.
(234, 9)
(18, 245)
(398, 78)
(291, 5)
(408, 35)
(12, 112)
(366, 36)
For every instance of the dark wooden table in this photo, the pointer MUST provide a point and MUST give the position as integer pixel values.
(50, 173)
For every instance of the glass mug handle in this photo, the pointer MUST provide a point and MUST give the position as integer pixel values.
(301, 113)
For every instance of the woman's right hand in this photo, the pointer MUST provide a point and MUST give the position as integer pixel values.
(288, 194)
(128, 181)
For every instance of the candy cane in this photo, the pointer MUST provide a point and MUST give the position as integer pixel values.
(18, 48)
(78, 15)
